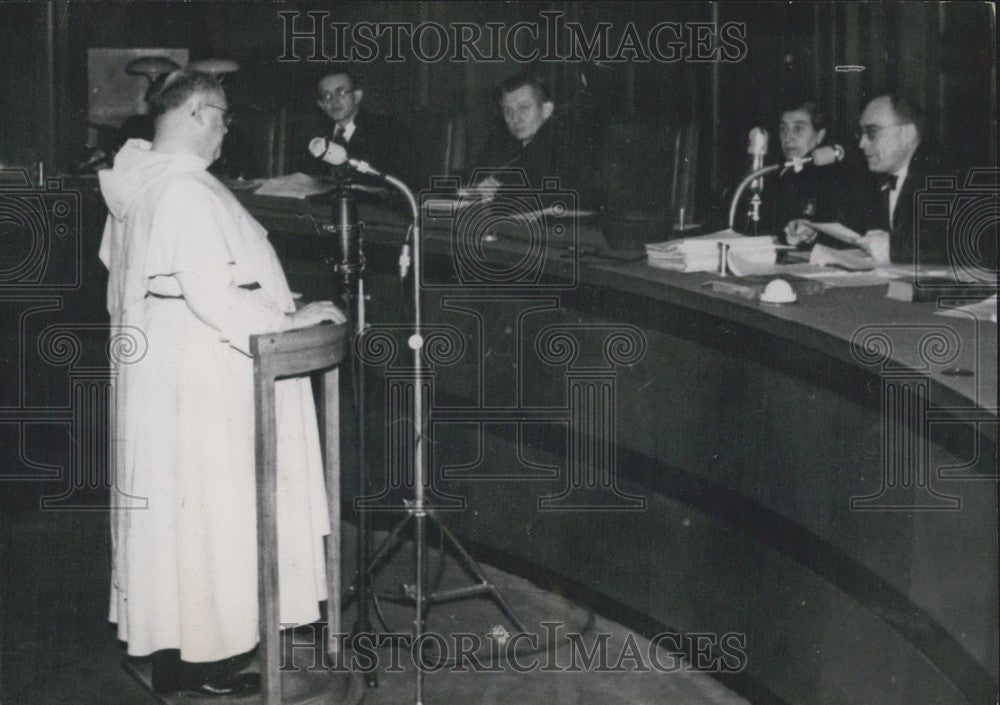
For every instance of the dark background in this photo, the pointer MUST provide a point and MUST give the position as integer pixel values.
(943, 53)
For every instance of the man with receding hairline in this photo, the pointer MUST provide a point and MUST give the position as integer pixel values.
(891, 138)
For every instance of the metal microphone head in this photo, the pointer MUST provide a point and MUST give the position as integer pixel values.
(330, 152)
(757, 145)
(822, 156)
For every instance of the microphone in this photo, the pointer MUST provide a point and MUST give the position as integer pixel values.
(330, 152)
(757, 148)
(821, 156)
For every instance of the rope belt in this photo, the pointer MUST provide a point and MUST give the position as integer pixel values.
(252, 286)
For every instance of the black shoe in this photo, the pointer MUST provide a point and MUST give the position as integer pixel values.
(237, 685)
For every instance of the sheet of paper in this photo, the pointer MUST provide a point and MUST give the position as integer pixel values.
(466, 198)
(747, 264)
(838, 231)
(985, 310)
(293, 186)
(853, 259)
(839, 278)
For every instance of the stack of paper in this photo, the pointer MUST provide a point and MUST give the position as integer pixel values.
(296, 185)
(701, 254)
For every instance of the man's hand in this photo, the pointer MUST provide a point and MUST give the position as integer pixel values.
(485, 189)
(313, 313)
(798, 232)
(876, 243)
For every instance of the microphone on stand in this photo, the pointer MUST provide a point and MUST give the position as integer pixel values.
(349, 261)
(322, 148)
(757, 148)
(821, 156)
(326, 150)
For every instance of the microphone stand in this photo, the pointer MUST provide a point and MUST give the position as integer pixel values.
(754, 212)
(832, 154)
(418, 510)
(351, 267)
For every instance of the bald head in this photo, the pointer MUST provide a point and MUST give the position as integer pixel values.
(192, 115)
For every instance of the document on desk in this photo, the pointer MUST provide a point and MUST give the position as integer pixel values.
(985, 310)
(293, 186)
(519, 206)
(842, 268)
(837, 231)
(854, 259)
(701, 253)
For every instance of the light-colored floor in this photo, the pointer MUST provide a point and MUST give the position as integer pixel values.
(57, 646)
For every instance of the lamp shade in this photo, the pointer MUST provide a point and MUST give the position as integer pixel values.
(150, 66)
(214, 67)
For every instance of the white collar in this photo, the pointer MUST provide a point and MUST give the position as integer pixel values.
(901, 176)
(346, 130)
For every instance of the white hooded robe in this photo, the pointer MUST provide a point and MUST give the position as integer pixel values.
(184, 533)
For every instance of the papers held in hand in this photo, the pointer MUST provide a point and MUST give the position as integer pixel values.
(836, 231)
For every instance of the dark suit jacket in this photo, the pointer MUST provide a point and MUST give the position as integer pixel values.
(815, 193)
(913, 237)
(552, 153)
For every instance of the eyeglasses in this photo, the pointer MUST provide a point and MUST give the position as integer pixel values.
(872, 131)
(330, 96)
(227, 114)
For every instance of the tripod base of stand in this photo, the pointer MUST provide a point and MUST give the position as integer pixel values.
(484, 586)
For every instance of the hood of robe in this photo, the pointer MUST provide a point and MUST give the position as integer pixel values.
(136, 167)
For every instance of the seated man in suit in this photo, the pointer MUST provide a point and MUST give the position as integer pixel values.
(534, 144)
(891, 139)
(365, 135)
(812, 194)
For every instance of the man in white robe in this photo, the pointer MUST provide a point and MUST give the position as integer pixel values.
(191, 277)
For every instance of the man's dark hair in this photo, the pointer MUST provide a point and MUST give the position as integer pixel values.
(521, 80)
(353, 78)
(907, 110)
(177, 87)
(807, 106)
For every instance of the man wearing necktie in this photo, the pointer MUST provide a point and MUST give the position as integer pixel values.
(364, 134)
(890, 137)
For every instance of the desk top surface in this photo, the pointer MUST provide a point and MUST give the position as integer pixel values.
(858, 325)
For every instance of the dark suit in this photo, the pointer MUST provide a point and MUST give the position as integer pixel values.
(815, 193)
(551, 153)
(912, 238)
